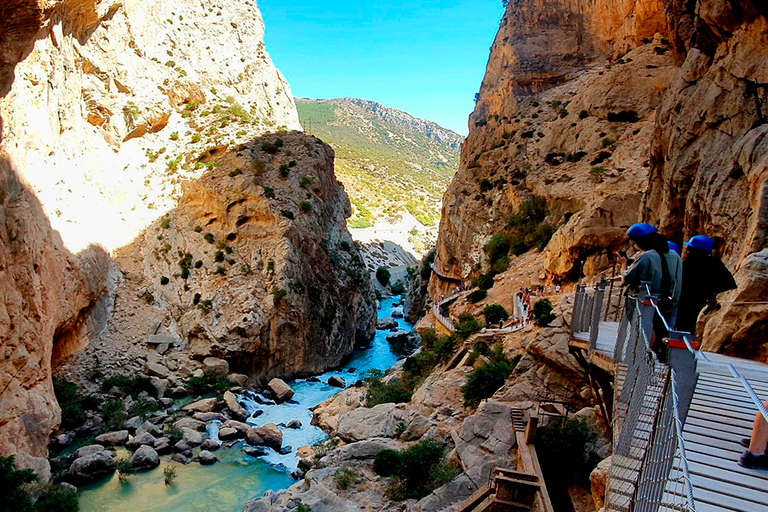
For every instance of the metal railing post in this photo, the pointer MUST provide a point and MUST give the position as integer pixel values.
(597, 309)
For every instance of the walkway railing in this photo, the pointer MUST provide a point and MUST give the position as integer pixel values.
(648, 441)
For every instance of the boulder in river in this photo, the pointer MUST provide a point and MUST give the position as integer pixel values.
(117, 438)
(282, 391)
(141, 440)
(88, 450)
(231, 402)
(210, 444)
(192, 437)
(254, 452)
(207, 458)
(337, 382)
(238, 379)
(91, 467)
(386, 323)
(293, 424)
(268, 435)
(181, 459)
(204, 405)
(144, 458)
(192, 423)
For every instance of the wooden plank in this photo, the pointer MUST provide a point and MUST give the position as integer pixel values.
(716, 431)
(731, 384)
(717, 419)
(726, 409)
(732, 466)
(705, 496)
(732, 477)
(696, 441)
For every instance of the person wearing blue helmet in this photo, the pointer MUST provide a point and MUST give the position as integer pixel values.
(704, 276)
(659, 266)
(674, 247)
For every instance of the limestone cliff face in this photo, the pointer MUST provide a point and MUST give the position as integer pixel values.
(260, 268)
(709, 172)
(108, 94)
(672, 132)
(51, 301)
(548, 113)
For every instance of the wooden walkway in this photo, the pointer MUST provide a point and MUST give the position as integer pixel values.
(602, 356)
(721, 414)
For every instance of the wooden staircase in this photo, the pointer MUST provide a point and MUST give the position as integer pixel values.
(507, 491)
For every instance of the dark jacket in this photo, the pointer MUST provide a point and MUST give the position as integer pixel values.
(704, 276)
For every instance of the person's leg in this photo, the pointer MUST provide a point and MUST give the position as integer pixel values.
(759, 440)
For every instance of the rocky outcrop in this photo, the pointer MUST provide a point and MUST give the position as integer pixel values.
(575, 131)
(709, 161)
(52, 301)
(105, 95)
(255, 265)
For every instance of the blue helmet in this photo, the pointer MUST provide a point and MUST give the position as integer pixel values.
(701, 242)
(640, 230)
(674, 247)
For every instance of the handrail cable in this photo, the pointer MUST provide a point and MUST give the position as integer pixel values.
(681, 442)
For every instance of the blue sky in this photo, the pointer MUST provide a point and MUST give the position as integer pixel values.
(427, 58)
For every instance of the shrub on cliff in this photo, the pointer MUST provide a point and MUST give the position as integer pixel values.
(467, 325)
(130, 385)
(495, 313)
(484, 282)
(483, 382)
(398, 288)
(542, 312)
(415, 472)
(207, 384)
(380, 392)
(383, 276)
(16, 485)
(73, 403)
(476, 296)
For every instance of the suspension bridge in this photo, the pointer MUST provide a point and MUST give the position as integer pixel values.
(677, 424)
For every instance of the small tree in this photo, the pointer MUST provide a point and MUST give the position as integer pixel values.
(383, 275)
(542, 313)
(467, 325)
(495, 313)
(484, 282)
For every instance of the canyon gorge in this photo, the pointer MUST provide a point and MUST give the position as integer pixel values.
(164, 215)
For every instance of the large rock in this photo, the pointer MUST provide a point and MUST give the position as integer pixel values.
(337, 382)
(231, 402)
(89, 468)
(143, 439)
(598, 480)
(156, 370)
(282, 391)
(192, 437)
(386, 323)
(150, 427)
(88, 450)
(486, 440)
(227, 434)
(207, 458)
(378, 421)
(240, 428)
(268, 435)
(215, 366)
(117, 438)
(204, 405)
(144, 458)
(189, 423)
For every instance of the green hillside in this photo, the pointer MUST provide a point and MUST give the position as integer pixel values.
(388, 160)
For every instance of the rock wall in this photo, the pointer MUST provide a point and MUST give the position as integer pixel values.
(105, 94)
(548, 113)
(52, 300)
(256, 266)
(709, 172)
(671, 131)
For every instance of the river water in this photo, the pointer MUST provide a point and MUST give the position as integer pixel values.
(237, 478)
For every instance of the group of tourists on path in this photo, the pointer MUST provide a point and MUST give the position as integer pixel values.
(684, 287)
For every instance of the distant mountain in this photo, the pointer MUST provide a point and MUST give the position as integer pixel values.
(388, 160)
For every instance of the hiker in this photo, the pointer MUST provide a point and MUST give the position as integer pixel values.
(755, 457)
(674, 247)
(660, 267)
(704, 276)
